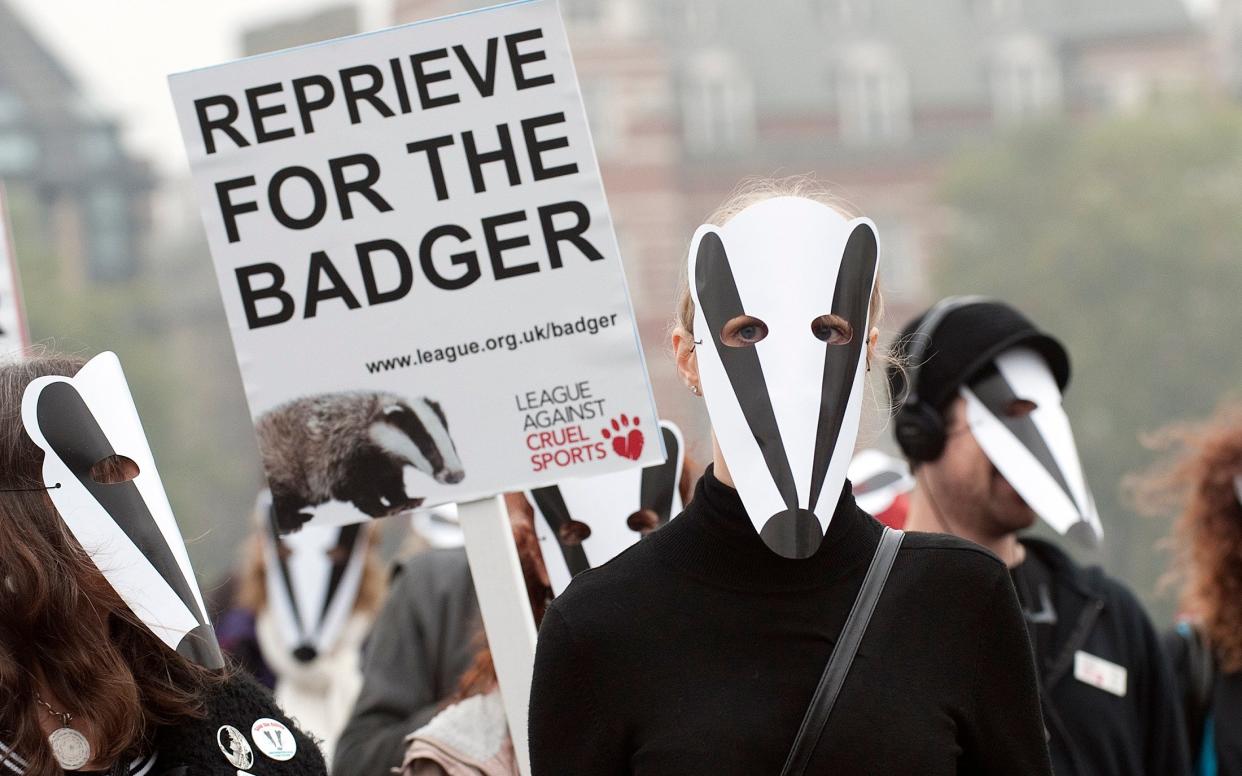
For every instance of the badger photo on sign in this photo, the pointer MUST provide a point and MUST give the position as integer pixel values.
(353, 447)
(418, 265)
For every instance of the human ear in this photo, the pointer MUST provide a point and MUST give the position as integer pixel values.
(687, 359)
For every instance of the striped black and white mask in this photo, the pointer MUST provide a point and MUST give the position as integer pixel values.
(1014, 410)
(782, 295)
(585, 522)
(128, 529)
(879, 480)
(313, 578)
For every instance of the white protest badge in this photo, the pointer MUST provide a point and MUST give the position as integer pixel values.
(418, 265)
(1100, 673)
(14, 334)
(273, 739)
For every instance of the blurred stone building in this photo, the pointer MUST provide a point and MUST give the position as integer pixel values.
(688, 97)
(60, 153)
(298, 30)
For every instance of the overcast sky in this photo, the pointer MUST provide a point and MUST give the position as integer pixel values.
(122, 51)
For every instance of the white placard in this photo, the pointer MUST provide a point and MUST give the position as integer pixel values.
(14, 335)
(418, 265)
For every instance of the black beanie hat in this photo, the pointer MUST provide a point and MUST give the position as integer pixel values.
(967, 339)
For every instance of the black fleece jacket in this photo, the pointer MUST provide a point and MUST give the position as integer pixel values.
(1094, 732)
(697, 650)
(194, 748)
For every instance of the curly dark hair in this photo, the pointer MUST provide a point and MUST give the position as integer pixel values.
(62, 623)
(1196, 481)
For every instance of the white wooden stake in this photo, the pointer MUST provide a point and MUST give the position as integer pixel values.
(507, 615)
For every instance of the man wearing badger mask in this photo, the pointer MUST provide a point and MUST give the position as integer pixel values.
(700, 649)
(979, 417)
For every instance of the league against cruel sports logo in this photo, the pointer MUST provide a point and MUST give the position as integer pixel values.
(569, 424)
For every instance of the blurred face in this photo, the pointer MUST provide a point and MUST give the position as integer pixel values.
(967, 490)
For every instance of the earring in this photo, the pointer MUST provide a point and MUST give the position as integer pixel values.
(694, 389)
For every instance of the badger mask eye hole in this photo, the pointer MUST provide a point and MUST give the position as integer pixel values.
(114, 470)
(1020, 408)
(644, 521)
(743, 331)
(832, 330)
(573, 533)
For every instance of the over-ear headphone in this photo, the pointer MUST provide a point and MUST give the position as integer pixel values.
(919, 427)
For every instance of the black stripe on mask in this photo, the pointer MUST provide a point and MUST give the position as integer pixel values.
(850, 300)
(345, 541)
(875, 482)
(997, 395)
(286, 579)
(659, 482)
(552, 506)
(721, 302)
(76, 438)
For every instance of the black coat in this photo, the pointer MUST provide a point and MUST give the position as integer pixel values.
(1093, 732)
(194, 749)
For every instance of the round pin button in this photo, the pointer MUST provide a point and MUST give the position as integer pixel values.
(273, 739)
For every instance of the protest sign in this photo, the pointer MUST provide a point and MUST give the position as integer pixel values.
(418, 265)
(14, 336)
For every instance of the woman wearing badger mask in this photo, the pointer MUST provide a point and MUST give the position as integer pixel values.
(699, 650)
(107, 661)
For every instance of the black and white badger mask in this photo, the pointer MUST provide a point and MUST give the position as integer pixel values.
(587, 521)
(127, 528)
(313, 578)
(1034, 451)
(782, 295)
(879, 480)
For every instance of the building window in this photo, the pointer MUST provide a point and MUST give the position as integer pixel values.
(1025, 80)
(604, 116)
(19, 153)
(901, 270)
(996, 10)
(873, 97)
(582, 13)
(702, 17)
(111, 253)
(11, 108)
(849, 14)
(718, 105)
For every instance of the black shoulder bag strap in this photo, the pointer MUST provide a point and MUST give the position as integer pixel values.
(843, 654)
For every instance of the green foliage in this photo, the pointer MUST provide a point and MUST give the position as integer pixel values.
(1121, 236)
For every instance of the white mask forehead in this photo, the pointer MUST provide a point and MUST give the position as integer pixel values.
(786, 412)
(784, 254)
(1035, 452)
(310, 595)
(127, 528)
(604, 505)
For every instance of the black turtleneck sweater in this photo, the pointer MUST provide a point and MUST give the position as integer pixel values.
(697, 650)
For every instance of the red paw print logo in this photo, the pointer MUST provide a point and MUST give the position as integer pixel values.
(627, 440)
